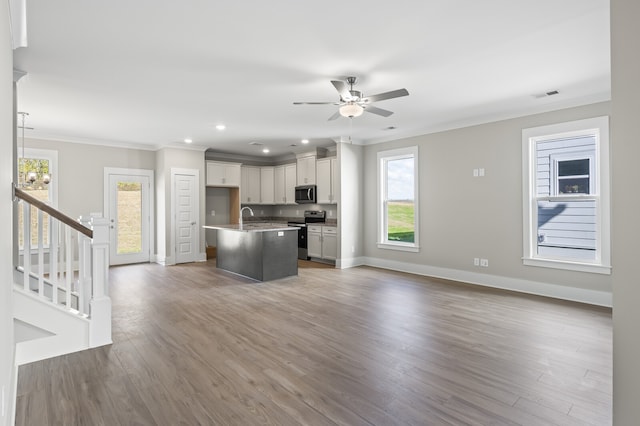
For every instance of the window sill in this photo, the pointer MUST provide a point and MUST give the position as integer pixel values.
(567, 265)
(399, 247)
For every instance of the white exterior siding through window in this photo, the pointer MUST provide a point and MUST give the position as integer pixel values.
(566, 196)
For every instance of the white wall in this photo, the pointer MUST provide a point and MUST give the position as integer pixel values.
(625, 148)
(463, 217)
(6, 233)
(350, 205)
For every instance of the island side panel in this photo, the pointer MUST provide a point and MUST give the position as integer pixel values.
(240, 252)
(280, 254)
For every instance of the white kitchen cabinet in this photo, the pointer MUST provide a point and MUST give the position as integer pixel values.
(314, 241)
(326, 180)
(322, 242)
(267, 185)
(223, 174)
(306, 170)
(285, 184)
(329, 242)
(250, 185)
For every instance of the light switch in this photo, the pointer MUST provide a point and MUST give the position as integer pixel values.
(475, 172)
(481, 172)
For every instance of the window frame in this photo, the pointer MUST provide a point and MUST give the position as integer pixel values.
(599, 191)
(52, 157)
(384, 157)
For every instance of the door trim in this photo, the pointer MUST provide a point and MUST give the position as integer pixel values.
(108, 171)
(199, 256)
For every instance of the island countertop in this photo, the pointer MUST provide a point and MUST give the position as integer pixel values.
(254, 227)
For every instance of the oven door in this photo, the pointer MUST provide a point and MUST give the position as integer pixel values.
(302, 240)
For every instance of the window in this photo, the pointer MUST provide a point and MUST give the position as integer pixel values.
(39, 162)
(397, 199)
(566, 196)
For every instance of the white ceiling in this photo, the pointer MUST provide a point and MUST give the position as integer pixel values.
(152, 73)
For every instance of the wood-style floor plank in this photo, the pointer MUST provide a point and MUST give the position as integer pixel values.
(363, 346)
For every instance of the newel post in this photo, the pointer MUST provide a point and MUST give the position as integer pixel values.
(84, 267)
(100, 305)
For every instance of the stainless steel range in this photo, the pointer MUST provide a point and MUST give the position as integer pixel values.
(310, 216)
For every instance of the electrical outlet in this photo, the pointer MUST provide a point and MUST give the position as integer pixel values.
(280, 212)
(261, 211)
(297, 212)
(484, 263)
(475, 172)
(213, 212)
(476, 261)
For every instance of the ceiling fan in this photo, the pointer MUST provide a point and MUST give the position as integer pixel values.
(352, 102)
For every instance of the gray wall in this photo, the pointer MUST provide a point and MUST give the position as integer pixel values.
(625, 148)
(166, 159)
(6, 234)
(462, 217)
(81, 171)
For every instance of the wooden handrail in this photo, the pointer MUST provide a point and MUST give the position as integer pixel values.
(23, 195)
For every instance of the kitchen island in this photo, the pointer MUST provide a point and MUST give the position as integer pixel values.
(262, 251)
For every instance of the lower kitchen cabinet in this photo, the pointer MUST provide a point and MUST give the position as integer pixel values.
(329, 242)
(322, 242)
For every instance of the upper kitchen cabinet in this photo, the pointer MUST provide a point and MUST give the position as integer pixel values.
(326, 181)
(285, 184)
(267, 185)
(306, 170)
(223, 174)
(250, 185)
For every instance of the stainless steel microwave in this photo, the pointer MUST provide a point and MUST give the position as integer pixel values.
(306, 194)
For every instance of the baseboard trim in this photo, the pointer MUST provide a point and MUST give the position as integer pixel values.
(350, 262)
(557, 291)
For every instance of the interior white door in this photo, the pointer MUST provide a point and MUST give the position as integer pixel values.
(187, 235)
(130, 218)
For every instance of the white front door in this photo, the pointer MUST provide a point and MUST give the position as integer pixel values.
(186, 207)
(129, 214)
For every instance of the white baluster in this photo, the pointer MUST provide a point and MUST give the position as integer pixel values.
(68, 270)
(40, 255)
(26, 244)
(54, 227)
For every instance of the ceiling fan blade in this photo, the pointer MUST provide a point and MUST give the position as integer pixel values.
(386, 95)
(334, 116)
(342, 88)
(316, 103)
(378, 111)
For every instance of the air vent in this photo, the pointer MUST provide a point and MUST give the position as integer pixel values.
(545, 94)
(255, 143)
(390, 128)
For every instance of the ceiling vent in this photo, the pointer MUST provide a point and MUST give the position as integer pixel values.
(546, 94)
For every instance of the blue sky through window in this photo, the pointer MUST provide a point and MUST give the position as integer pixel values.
(400, 175)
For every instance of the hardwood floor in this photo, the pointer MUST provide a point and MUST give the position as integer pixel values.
(362, 346)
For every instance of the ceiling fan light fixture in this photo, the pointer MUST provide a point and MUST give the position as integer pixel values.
(351, 110)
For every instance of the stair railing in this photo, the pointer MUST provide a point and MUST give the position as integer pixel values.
(53, 275)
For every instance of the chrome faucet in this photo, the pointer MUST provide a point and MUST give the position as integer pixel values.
(241, 210)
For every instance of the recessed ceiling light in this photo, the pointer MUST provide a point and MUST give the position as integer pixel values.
(188, 140)
(305, 141)
(221, 126)
(265, 150)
